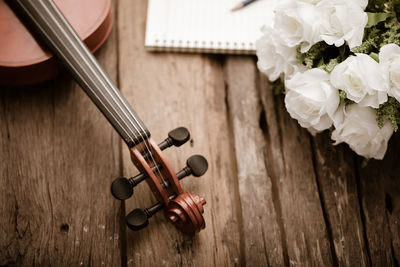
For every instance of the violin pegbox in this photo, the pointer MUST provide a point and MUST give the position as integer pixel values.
(181, 208)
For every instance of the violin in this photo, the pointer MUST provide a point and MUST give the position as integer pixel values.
(24, 60)
(181, 208)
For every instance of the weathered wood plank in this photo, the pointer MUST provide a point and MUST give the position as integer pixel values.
(392, 194)
(290, 162)
(170, 90)
(336, 176)
(262, 237)
(380, 194)
(58, 156)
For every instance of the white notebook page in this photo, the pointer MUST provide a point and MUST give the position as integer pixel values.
(206, 25)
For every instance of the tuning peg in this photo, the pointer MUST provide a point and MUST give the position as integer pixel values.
(176, 137)
(122, 188)
(139, 218)
(196, 165)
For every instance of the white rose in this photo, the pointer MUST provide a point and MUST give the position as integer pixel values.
(389, 59)
(274, 57)
(342, 20)
(357, 126)
(296, 21)
(362, 79)
(311, 99)
(313, 2)
(363, 3)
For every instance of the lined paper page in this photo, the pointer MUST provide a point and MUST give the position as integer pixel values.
(206, 25)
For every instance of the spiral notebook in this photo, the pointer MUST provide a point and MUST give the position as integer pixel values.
(206, 25)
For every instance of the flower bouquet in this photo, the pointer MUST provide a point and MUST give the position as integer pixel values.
(340, 64)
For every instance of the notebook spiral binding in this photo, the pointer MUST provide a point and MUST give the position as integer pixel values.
(166, 45)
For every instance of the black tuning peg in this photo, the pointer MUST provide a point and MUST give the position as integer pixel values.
(122, 188)
(196, 165)
(176, 137)
(139, 219)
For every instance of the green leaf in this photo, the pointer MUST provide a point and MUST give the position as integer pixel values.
(320, 62)
(389, 111)
(376, 5)
(364, 163)
(375, 56)
(375, 18)
(278, 87)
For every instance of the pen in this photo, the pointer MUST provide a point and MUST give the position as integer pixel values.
(242, 4)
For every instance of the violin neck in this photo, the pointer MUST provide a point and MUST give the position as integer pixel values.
(45, 18)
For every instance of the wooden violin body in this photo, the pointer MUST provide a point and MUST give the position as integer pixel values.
(25, 60)
(181, 208)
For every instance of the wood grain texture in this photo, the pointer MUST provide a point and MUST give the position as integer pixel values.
(339, 193)
(275, 195)
(380, 194)
(58, 155)
(290, 161)
(167, 91)
(263, 246)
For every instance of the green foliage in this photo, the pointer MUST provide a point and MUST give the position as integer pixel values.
(375, 18)
(376, 5)
(278, 87)
(323, 56)
(374, 56)
(343, 96)
(372, 37)
(389, 111)
(391, 34)
(344, 99)
(394, 5)
(365, 162)
(382, 28)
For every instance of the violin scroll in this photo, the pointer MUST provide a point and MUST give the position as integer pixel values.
(181, 208)
(186, 213)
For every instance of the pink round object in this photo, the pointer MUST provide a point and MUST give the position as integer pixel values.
(24, 61)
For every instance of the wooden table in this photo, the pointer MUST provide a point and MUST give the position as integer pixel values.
(275, 195)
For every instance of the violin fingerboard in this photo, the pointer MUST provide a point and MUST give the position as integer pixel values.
(47, 21)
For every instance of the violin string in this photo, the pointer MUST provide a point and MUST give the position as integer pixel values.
(160, 176)
(145, 141)
(82, 78)
(94, 92)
